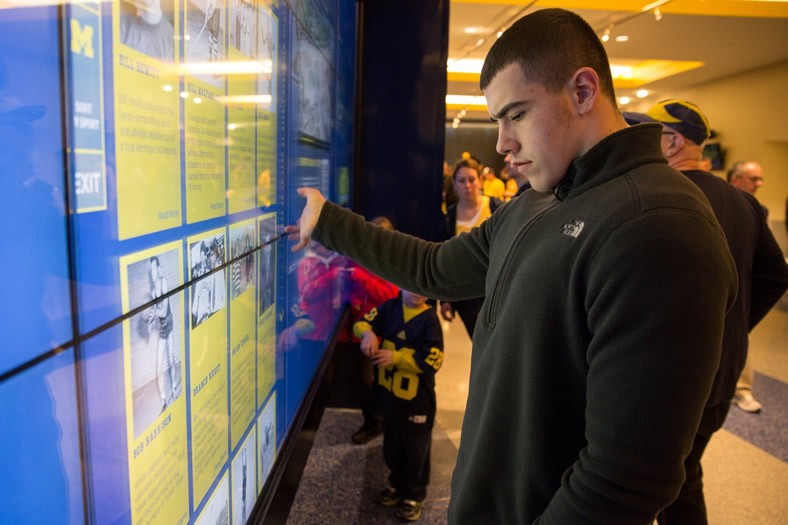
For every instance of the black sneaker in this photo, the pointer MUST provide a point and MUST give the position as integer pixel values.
(388, 497)
(366, 434)
(409, 510)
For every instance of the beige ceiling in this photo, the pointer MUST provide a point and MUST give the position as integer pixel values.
(726, 36)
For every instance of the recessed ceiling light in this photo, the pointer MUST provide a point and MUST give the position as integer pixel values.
(642, 93)
(624, 100)
(622, 38)
(473, 30)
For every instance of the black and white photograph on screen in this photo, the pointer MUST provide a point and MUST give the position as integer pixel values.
(313, 72)
(266, 439)
(208, 291)
(242, 26)
(267, 263)
(242, 271)
(243, 469)
(205, 22)
(217, 509)
(155, 337)
(266, 52)
(147, 26)
(313, 75)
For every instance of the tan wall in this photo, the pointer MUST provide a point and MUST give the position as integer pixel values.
(750, 114)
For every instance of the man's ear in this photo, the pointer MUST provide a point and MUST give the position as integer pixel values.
(675, 145)
(584, 87)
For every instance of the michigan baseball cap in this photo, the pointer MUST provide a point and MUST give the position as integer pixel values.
(680, 115)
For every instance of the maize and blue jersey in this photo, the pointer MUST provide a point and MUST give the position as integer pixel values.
(406, 389)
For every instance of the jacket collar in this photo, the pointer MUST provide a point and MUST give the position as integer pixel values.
(613, 156)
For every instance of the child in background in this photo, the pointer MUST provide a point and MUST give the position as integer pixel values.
(403, 339)
(367, 291)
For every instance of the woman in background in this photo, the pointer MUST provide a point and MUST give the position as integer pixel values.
(471, 210)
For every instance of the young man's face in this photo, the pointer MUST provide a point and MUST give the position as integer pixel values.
(535, 127)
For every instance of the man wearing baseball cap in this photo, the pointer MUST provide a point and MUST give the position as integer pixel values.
(684, 130)
(763, 278)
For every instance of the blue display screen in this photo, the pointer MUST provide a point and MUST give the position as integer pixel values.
(161, 335)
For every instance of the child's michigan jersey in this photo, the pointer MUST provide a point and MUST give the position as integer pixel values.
(406, 390)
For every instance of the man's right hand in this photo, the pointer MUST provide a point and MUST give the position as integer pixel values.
(302, 230)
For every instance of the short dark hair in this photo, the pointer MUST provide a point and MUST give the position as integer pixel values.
(550, 45)
(467, 163)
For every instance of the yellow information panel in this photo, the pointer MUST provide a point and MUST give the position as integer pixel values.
(204, 128)
(208, 358)
(147, 122)
(153, 369)
(241, 99)
(242, 328)
(266, 307)
(266, 103)
(204, 120)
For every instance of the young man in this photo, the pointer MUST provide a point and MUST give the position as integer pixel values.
(763, 278)
(605, 293)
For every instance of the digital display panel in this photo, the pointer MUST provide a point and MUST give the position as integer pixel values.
(157, 146)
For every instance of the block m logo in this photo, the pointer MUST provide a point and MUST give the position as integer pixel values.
(81, 39)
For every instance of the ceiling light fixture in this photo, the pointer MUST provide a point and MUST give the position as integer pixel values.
(657, 15)
(606, 35)
(622, 38)
(654, 5)
(641, 93)
(470, 48)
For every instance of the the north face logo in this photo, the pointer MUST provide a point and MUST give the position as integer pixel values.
(573, 229)
(401, 334)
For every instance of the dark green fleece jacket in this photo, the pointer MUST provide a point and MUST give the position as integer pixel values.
(597, 343)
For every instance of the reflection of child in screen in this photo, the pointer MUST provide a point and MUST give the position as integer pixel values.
(144, 28)
(161, 317)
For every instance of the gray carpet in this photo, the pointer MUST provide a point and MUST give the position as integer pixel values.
(361, 473)
(767, 430)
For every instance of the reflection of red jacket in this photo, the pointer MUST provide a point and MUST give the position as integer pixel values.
(367, 291)
(320, 297)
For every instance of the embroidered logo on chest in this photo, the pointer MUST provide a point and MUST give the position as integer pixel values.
(573, 229)
(401, 335)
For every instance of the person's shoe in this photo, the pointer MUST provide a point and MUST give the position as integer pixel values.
(746, 402)
(388, 497)
(410, 510)
(366, 433)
